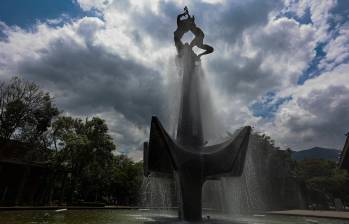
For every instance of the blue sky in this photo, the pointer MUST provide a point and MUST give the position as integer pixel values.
(27, 13)
(279, 66)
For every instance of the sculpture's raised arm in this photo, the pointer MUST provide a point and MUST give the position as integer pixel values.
(182, 28)
(186, 12)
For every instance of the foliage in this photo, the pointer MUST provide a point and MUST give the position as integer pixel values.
(26, 111)
(81, 152)
(85, 148)
(127, 180)
(321, 178)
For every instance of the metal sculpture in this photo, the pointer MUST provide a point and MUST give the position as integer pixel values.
(186, 158)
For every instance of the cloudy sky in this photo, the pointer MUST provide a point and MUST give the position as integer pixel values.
(280, 66)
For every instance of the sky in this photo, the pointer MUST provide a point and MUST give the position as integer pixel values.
(281, 66)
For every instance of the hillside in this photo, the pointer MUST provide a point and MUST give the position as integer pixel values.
(316, 153)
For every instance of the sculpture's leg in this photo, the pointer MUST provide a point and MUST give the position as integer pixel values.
(199, 42)
(208, 49)
(190, 193)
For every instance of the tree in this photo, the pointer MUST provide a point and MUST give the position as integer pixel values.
(79, 152)
(26, 111)
(322, 179)
(86, 149)
(126, 180)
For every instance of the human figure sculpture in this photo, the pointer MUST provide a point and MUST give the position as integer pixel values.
(188, 24)
(199, 38)
(182, 28)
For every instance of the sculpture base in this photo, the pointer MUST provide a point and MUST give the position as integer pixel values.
(192, 166)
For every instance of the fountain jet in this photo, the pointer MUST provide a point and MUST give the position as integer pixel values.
(186, 158)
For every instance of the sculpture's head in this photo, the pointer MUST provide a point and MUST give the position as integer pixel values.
(191, 21)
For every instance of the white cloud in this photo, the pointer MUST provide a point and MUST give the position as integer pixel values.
(287, 48)
(94, 4)
(319, 14)
(127, 135)
(316, 115)
(115, 65)
(337, 50)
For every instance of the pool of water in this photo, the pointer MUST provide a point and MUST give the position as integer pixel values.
(143, 216)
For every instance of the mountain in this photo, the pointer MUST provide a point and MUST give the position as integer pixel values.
(317, 153)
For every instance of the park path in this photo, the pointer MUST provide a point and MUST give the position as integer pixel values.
(314, 213)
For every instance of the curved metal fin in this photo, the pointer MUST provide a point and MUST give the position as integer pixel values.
(226, 159)
(156, 155)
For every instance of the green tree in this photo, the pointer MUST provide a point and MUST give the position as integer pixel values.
(26, 111)
(127, 180)
(85, 148)
(322, 179)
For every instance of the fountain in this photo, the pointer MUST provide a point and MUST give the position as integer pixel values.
(187, 158)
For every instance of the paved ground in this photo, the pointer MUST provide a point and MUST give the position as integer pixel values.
(310, 213)
(75, 207)
(313, 213)
(63, 207)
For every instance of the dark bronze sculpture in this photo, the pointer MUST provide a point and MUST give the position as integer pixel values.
(187, 159)
(188, 24)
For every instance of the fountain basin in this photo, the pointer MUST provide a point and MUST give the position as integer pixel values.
(108, 216)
